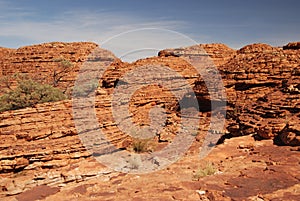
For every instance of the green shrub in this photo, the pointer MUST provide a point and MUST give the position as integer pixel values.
(140, 146)
(29, 93)
(208, 169)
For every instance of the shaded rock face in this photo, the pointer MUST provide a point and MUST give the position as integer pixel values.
(142, 100)
(262, 86)
(40, 146)
(262, 91)
(292, 46)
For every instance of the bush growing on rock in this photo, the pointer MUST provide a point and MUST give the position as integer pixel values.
(139, 146)
(63, 68)
(29, 93)
(207, 170)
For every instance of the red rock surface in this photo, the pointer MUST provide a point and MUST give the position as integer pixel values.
(219, 53)
(262, 86)
(42, 157)
(246, 170)
(38, 61)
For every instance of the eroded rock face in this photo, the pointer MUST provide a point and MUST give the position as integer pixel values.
(262, 88)
(38, 137)
(3, 54)
(38, 61)
(40, 146)
(43, 136)
(218, 52)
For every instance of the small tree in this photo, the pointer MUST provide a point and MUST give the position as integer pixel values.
(61, 70)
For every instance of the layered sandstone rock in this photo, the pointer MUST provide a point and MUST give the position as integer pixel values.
(40, 146)
(146, 97)
(264, 96)
(245, 169)
(262, 85)
(47, 131)
(39, 61)
(3, 54)
(262, 88)
(39, 137)
(218, 52)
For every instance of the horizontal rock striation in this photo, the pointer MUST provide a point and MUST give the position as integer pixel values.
(262, 87)
(261, 82)
(39, 61)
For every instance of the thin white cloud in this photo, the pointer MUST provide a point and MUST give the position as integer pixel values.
(78, 25)
(145, 42)
(9, 11)
(86, 26)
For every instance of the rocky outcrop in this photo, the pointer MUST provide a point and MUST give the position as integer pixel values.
(40, 148)
(39, 61)
(256, 48)
(262, 90)
(43, 136)
(262, 86)
(145, 98)
(43, 144)
(218, 52)
(292, 46)
(39, 137)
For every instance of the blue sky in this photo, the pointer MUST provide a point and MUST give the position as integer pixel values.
(235, 23)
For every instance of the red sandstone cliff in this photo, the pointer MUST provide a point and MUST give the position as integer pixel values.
(40, 149)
